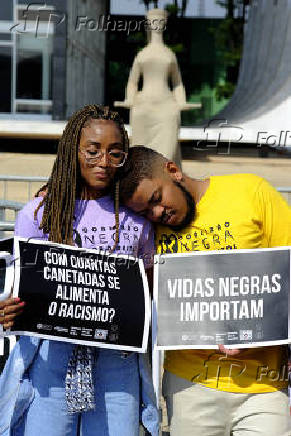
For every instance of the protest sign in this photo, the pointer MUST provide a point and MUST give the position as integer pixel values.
(6, 274)
(81, 296)
(6, 283)
(6, 267)
(236, 298)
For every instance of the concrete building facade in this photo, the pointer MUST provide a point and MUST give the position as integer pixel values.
(48, 66)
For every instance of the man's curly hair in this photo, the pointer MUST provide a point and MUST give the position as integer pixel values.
(142, 163)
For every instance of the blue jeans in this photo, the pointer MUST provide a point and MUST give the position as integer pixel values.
(116, 380)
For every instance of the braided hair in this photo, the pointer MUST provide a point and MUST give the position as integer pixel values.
(65, 181)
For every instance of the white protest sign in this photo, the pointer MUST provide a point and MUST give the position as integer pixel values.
(236, 298)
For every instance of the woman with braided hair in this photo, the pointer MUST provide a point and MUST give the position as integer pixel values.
(57, 388)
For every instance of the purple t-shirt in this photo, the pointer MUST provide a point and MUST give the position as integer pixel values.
(94, 227)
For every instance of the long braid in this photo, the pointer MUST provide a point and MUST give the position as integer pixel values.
(65, 183)
(116, 213)
(116, 118)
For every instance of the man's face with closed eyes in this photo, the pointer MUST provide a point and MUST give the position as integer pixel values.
(163, 200)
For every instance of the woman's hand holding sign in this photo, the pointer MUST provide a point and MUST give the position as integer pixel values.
(9, 310)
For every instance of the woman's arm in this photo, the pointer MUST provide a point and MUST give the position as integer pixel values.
(9, 310)
(27, 227)
(178, 87)
(132, 84)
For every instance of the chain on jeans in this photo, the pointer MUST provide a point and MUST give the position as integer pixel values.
(79, 380)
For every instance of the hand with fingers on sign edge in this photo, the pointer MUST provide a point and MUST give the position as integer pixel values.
(10, 308)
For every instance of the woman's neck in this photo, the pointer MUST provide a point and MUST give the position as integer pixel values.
(88, 193)
(156, 38)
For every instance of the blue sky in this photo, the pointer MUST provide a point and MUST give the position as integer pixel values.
(136, 7)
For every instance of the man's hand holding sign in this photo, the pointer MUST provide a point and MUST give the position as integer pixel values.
(9, 310)
(10, 307)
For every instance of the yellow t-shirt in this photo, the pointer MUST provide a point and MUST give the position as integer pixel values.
(237, 211)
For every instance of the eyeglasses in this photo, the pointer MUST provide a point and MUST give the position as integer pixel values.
(116, 157)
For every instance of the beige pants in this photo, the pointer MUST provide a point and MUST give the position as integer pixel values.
(195, 410)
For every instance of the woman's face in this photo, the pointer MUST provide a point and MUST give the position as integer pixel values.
(104, 136)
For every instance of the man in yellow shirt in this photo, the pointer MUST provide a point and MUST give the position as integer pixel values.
(211, 392)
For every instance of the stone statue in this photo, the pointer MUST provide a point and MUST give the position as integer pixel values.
(155, 110)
